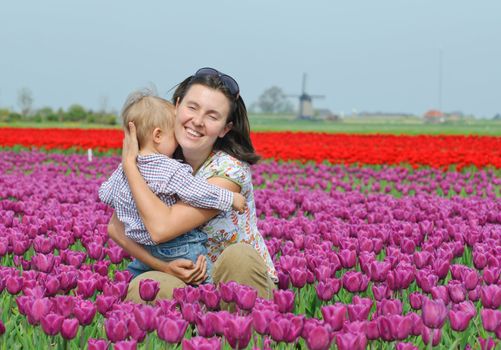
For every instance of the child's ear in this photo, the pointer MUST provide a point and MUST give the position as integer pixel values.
(227, 128)
(157, 134)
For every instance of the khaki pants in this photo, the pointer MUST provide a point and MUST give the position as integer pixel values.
(239, 262)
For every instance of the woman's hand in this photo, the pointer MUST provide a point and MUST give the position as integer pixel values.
(130, 146)
(188, 272)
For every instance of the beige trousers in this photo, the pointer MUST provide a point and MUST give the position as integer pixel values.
(239, 262)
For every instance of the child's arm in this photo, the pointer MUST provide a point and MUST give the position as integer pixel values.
(198, 192)
(108, 189)
(181, 268)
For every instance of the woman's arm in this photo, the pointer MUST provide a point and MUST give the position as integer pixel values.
(163, 222)
(182, 268)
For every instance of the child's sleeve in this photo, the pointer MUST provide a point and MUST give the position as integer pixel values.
(195, 191)
(107, 191)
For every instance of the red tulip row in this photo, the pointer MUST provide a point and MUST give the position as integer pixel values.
(427, 150)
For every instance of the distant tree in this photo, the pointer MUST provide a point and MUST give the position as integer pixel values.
(25, 100)
(75, 113)
(273, 100)
(497, 117)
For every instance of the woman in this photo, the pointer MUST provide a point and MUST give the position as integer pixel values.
(213, 132)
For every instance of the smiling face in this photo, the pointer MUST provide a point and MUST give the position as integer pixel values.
(201, 118)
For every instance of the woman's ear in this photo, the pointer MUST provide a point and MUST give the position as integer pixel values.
(226, 129)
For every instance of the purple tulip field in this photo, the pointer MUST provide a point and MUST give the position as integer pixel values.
(369, 257)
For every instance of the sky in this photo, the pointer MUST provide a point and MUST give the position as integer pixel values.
(362, 55)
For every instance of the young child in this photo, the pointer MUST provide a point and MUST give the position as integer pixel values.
(167, 178)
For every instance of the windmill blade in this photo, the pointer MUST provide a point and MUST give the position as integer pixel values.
(317, 96)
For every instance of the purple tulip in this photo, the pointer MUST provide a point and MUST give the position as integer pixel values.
(116, 254)
(68, 280)
(86, 287)
(204, 326)
(318, 338)
(97, 344)
(440, 293)
(351, 341)
(416, 300)
(285, 329)
(148, 289)
(431, 334)
(491, 296)
(51, 323)
(491, 319)
(146, 317)
(64, 304)
(190, 311)
(401, 326)
(348, 258)
(487, 344)
(43, 262)
(284, 299)
(327, 288)
(238, 331)
(354, 281)
(246, 297)
(388, 307)
(95, 250)
(283, 280)
(116, 329)
(227, 291)
(2, 328)
(218, 320)
(201, 343)
(210, 296)
(125, 345)
(105, 303)
(434, 313)
(378, 271)
(470, 278)
(69, 328)
(261, 320)
(385, 328)
(135, 332)
(52, 285)
(380, 291)
(14, 284)
(491, 275)
(298, 277)
(406, 346)
(192, 294)
(422, 259)
(459, 320)
(39, 308)
(426, 280)
(171, 329)
(334, 315)
(119, 289)
(457, 291)
(84, 312)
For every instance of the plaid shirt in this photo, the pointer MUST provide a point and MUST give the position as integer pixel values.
(166, 177)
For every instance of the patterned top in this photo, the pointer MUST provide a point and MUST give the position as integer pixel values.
(166, 177)
(230, 227)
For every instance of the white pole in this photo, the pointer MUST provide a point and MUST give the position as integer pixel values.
(89, 155)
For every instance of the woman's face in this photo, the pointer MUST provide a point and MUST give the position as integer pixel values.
(201, 118)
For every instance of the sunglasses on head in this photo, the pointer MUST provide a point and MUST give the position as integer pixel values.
(228, 82)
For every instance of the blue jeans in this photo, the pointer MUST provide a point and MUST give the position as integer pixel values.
(188, 246)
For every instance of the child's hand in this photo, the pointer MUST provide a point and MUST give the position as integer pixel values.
(239, 203)
(130, 147)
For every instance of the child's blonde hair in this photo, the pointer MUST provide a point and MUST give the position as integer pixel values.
(147, 111)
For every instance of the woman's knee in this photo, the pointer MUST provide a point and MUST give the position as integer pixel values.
(241, 263)
(167, 285)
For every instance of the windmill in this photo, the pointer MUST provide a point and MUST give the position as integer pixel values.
(306, 110)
